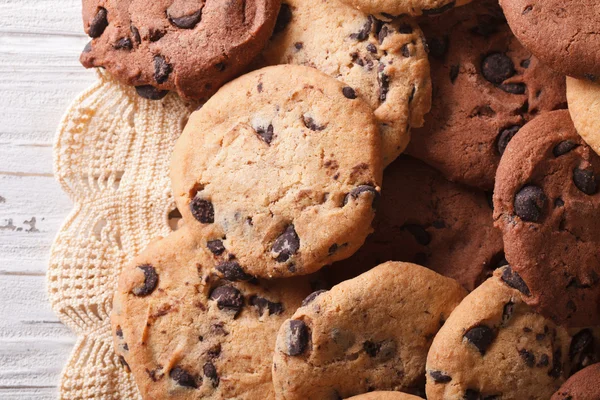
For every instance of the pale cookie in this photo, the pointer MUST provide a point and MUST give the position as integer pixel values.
(185, 333)
(368, 333)
(584, 106)
(384, 396)
(279, 172)
(410, 7)
(385, 62)
(494, 346)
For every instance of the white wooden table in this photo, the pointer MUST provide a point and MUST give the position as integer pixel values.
(40, 42)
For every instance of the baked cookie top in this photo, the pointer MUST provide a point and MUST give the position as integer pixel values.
(486, 86)
(192, 47)
(282, 168)
(368, 333)
(563, 34)
(384, 396)
(495, 346)
(584, 385)
(384, 61)
(409, 7)
(185, 332)
(584, 106)
(546, 202)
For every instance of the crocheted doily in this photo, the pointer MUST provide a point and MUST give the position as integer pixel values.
(111, 157)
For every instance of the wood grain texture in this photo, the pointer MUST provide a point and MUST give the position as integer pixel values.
(40, 41)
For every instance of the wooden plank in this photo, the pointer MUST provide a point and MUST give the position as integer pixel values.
(57, 17)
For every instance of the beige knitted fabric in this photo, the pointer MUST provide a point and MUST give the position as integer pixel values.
(112, 154)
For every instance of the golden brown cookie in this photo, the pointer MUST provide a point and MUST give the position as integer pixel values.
(584, 107)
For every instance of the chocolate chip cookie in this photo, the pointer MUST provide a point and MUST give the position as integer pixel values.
(425, 219)
(546, 202)
(384, 396)
(410, 7)
(369, 333)
(585, 385)
(383, 61)
(485, 87)
(279, 172)
(563, 34)
(185, 332)
(191, 47)
(495, 346)
(584, 107)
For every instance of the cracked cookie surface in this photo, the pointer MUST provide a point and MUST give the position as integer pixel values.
(369, 333)
(486, 86)
(185, 332)
(279, 172)
(384, 61)
(546, 202)
(190, 47)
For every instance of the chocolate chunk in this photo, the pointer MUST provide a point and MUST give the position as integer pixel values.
(228, 298)
(544, 361)
(454, 71)
(298, 45)
(150, 281)
(581, 351)
(438, 47)
(184, 378)
(187, 21)
(263, 305)
(99, 23)
(530, 202)
(124, 364)
(497, 67)
(439, 10)
(384, 83)
(481, 337)
(514, 280)
(364, 31)
(440, 377)
(211, 373)
(283, 18)
(371, 348)
(286, 245)
(150, 92)
(266, 134)
(202, 210)
(505, 137)
(162, 69)
(383, 33)
(419, 233)
(507, 312)
(123, 44)
(119, 332)
(405, 29)
(585, 181)
(297, 338)
(563, 148)
(232, 271)
(348, 92)
(311, 297)
(528, 357)
(333, 249)
(557, 368)
(216, 247)
(513, 88)
(311, 124)
(405, 50)
(371, 48)
(156, 34)
(356, 192)
(136, 34)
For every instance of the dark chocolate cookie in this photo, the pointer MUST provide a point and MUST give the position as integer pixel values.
(547, 203)
(585, 385)
(485, 87)
(563, 34)
(192, 47)
(425, 219)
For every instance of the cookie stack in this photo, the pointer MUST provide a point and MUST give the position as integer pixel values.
(468, 269)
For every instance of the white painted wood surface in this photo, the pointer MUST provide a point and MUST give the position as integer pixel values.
(40, 42)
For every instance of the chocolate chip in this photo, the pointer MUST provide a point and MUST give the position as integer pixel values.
(364, 31)
(471, 394)
(311, 297)
(124, 364)
(384, 83)
(405, 50)
(356, 192)
(263, 305)
(283, 18)
(232, 271)
(150, 92)
(581, 350)
(136, 34)
(530, 202)
(557, 368)
(505, 137)
(99, 23)
(187, 21)
(297, 337)
(202, 210)
(525, 63)
(371, 48)
(348, 92)
(481, 337)
(514, 280)
(266, 134)
(419, 233)
(88, 47)
(150, 281)
(162, 69)
(286, 245)
(228, 298)
(440, 377)
(528, 357)
(216, 247)
(211, 373)
(184, 378)
(585, 181)
(454, 71)
(156, 34)
(507, 312)
(513, 88)
(383, 33)
(563, 148)
(298, 45)
(497, 67)
(310, 123)
(438, 47)
(123, 44)
(405, 29)
(439, 10)
(371, 348)
(119, 332)
(544, 361)
(333, 249)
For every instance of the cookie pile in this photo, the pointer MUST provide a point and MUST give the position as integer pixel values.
(468, 269)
